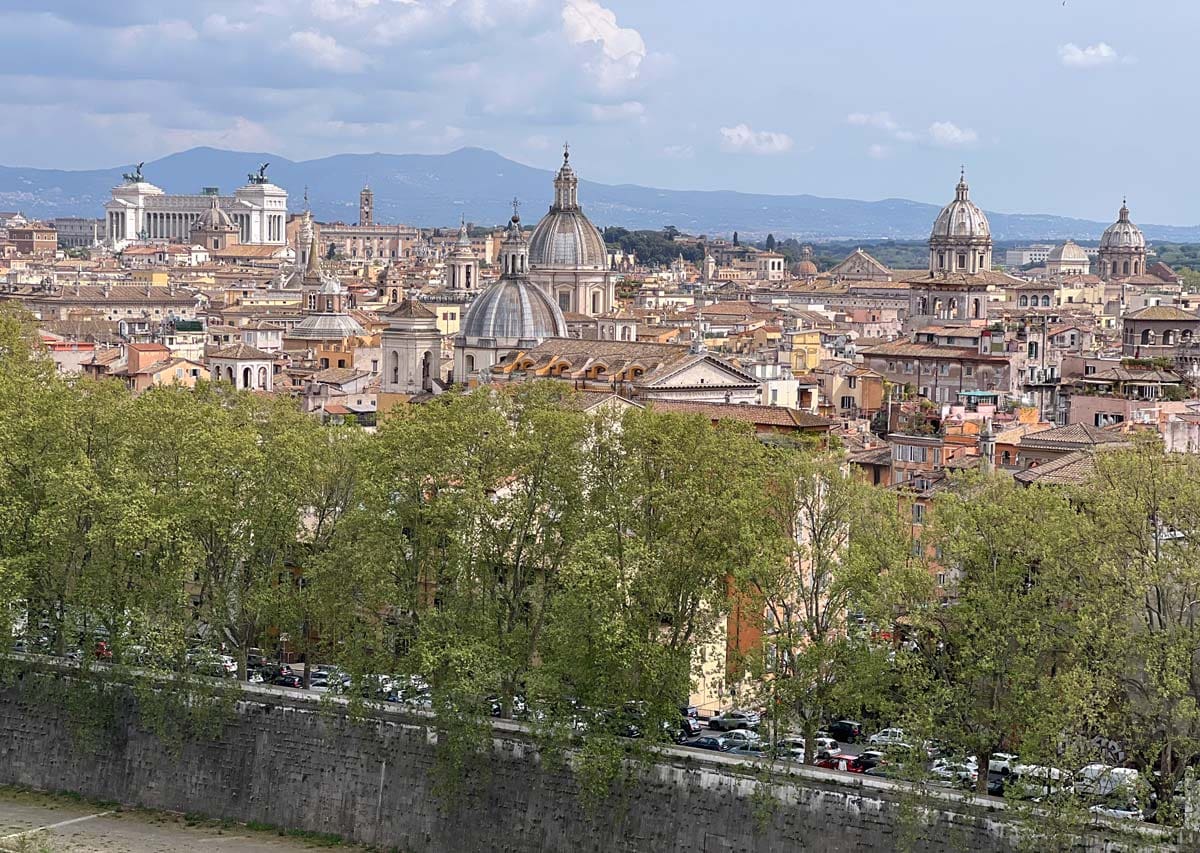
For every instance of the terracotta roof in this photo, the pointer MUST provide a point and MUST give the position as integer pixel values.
(911, 349)
(408, 308)
(962, 279)
(241, 352)
(1070, 437)
(777, 416)
(1125, 374)
(1071, 470)
(1163, 312)
(338, 375)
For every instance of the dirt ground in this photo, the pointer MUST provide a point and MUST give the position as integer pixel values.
(40, 823)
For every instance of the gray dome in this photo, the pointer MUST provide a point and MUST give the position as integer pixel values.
(513, 309)
(1123, 234)
(566, 238)
(961, 218)
(214, 219)
(1068, 252)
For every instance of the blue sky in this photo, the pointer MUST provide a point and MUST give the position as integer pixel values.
(1052, 108)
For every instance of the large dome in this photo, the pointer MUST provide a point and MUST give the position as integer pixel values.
(565, 237)
(1069, 252)
(513, 309)
(961, 219)
(1123, 234)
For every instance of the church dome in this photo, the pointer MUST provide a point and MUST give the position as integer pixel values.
(1123, 234)
(961, 219)
(565, 237)
(805, 268)
(514, 309)
(1069, 252)
(214, 219)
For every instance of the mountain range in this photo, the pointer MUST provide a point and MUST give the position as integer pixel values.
(435, 190)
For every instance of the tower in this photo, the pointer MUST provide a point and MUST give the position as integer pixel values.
(462, 265)
(412, 353)
(366, 207)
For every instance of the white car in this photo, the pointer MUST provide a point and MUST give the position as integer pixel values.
(734, 719)
(743, 737)
(888, 737)
(998, 762)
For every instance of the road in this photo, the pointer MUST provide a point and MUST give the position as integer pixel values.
(36, 823)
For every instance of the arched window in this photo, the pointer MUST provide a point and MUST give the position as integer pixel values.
(922, 306)
(1147, 336)
(470, 363)
(1169, 337)
(1005, 458)
(247, 378)
(1125, 267)
(1046, 301)
(262, 378)
(625, 332)
(394, 366)
(1136, 267)
(229, 373)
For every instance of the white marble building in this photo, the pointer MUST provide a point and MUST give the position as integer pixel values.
(140, 210)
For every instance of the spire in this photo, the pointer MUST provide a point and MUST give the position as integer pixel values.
(464, 239)
(961, 192)
(1124, 215)
(313, 270)
(514, 251)
(566, 184)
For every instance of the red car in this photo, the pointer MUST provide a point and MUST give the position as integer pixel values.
(843, 762)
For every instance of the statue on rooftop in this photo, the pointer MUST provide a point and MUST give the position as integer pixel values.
(259, 177)
(134, 177)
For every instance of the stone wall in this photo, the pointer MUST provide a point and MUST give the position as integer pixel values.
(287, 761)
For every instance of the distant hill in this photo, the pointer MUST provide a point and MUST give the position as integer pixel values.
(433, 190)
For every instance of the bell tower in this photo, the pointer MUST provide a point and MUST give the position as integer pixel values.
(366, 206)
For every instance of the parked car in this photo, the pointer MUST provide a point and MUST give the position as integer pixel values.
(713, 742)
(846, 731)
(1001, 762)
(871, 758)
(273, 670)
(747, 750)
(843, 762)
(888, 737)
(288, 679)
(690, 726)
(954, 774)
(734, 719)
(743, 737)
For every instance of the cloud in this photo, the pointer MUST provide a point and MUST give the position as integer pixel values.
(743, 138)
(324, 52)
(627, 111)
(679, 152)
(880, 120)
(878, 152)
(1091, 56)
(620, 49)
(948, 135)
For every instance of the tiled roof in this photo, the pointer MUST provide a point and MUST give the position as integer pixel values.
(777, 416)
(911, 349)
(1071, 470)
(962, 279)
(1163, 312)
(1125, 374)
(1069, 437)
(338, 375)
(241, 352)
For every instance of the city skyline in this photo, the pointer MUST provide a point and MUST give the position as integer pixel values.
(863, 101)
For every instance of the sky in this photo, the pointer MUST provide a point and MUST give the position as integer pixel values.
(1051, 107)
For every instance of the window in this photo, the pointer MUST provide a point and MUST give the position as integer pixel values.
(941, 579)
(962, 260)
(908, 367)
(848, 403)
(944, 368)
(891, 367)
(918, 513)
(968, 370)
